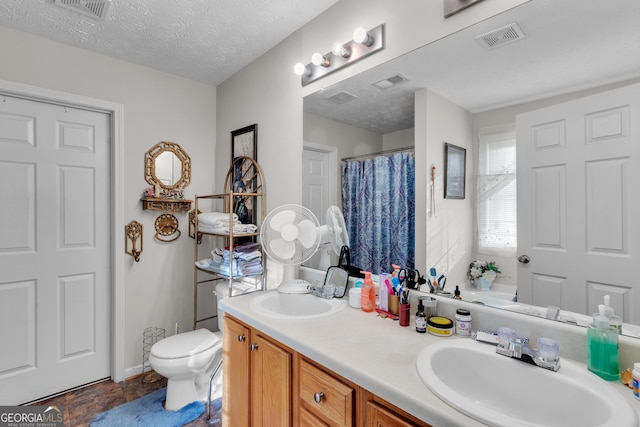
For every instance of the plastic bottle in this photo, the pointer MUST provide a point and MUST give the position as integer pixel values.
(636, 380)
(355, 295)
(602, 347)
(421, 318)
(368, 296)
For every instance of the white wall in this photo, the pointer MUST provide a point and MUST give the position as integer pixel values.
(399, 139)
(157, 107)
(449, 231)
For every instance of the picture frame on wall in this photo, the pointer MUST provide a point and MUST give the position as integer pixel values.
(244, 142)
(455, 163)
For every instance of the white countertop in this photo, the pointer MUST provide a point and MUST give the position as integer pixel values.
(373, 352)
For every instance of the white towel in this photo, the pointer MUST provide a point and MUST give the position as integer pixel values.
(213, 218)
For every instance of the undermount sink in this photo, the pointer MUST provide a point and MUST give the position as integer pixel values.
(500, 391)
(295, 306)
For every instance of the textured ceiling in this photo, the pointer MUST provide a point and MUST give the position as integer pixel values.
(570, 45)
(203, 40)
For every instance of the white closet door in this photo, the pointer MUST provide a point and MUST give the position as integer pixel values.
(55, 223)
(578, 203)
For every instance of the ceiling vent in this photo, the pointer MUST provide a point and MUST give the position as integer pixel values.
(92, 8)
(390, 82)
(341, 97)
(501, 36)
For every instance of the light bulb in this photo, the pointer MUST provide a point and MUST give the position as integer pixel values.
(339, 49)
(301, 69)
(360, 35)
(319, 59)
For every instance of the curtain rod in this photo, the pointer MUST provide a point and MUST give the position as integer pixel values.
(379, 153)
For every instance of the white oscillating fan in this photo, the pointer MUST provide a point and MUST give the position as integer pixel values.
(334, 233)
(290, 235)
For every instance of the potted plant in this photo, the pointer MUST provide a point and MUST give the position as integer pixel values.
(483, 273)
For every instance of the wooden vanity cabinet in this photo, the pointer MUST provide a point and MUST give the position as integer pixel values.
(324, 399)
(267, 384)
(257, 380)
(379, 413)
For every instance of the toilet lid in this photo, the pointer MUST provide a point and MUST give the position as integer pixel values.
(184, 344)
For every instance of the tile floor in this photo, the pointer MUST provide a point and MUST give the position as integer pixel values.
(81, 405)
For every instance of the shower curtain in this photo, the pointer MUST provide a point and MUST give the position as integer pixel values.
(378, 201)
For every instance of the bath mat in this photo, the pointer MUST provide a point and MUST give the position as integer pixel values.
(147, 411)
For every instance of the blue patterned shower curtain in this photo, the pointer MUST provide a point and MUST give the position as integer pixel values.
(378, 201)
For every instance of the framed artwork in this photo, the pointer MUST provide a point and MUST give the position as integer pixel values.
(455, 163)
(244, 142)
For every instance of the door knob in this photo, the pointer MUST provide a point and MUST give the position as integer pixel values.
(524, 259)
(253, 347)
(241, 338)
(318, 397)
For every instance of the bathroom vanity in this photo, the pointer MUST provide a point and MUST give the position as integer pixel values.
(358, 366)
(351, 367)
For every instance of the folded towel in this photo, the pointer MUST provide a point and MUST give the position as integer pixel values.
(213, 218)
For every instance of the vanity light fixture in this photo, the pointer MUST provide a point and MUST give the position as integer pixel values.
(301, 69)
(361, 36)
(364, 43)
(319, 59)
(340, 49)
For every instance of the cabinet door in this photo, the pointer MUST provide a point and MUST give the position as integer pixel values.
(378, 416)
(236, 368)
(271, 384)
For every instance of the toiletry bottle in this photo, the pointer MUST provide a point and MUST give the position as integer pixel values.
(636, 380)
(456, 293)
(421, 318)
(602, 347)
(614, 321)
(368, 296)
(355, 295)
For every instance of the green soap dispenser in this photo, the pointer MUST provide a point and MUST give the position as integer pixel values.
(602, 347)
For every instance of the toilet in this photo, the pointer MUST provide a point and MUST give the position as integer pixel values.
(187, 360)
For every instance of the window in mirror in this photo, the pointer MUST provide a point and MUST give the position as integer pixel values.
(496, 193)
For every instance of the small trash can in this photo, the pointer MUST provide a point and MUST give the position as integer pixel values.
(150, 336)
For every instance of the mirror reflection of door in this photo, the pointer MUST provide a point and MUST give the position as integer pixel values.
(168, 168)
(578, 163)
(319, 190)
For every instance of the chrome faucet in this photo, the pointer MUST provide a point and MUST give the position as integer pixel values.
(545, 356)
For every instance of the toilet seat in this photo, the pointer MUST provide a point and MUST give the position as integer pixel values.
(186, 344)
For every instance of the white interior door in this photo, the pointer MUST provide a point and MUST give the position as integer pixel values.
(55, 280)
(578, 203)
(319, 170)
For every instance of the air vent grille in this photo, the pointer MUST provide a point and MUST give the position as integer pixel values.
(391, 81)
(92, 8)
(341, 97)
(500, 37)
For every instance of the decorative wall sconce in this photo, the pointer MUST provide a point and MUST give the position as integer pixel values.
(364, 43)
(133, 239)
(167, 228)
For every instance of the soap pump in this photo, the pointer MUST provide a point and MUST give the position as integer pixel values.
(602, 347)
(368, 293)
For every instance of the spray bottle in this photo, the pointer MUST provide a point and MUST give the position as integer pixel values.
(368, 296)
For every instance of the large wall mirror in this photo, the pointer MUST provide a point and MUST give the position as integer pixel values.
(568, 47)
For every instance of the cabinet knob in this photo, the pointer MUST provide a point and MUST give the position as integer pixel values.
(318, 397)
(241, 338)
(253, 347)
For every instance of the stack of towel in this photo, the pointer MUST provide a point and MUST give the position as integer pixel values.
(246, 260)
(221, 223)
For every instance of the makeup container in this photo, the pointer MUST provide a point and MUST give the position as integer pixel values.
(463, 322)
(404, 314)
(440, 326)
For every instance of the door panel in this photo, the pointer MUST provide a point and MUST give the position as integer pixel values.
(578, 163)
(55, 262)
